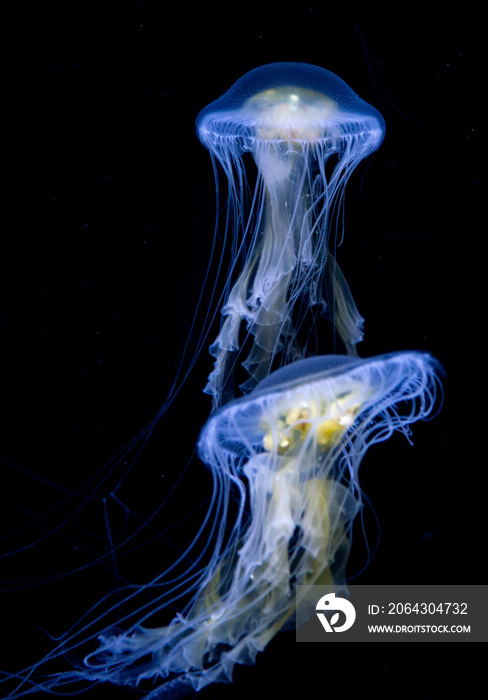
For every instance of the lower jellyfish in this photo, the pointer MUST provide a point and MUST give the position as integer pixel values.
(306, 131)
(288, 455)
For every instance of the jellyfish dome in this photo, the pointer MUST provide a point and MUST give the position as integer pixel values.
(306, 130)
(290, 102)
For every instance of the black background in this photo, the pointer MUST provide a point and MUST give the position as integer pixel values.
(107, 227)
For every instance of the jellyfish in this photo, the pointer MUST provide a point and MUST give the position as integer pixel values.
(306, 131)
(287, 455)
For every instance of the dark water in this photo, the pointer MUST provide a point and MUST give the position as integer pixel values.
(107, 227)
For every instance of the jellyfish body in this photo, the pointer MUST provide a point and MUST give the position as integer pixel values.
(307, 131)
(288, 455)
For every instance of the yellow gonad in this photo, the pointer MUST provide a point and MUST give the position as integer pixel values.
(291, 114)
(328, 420)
